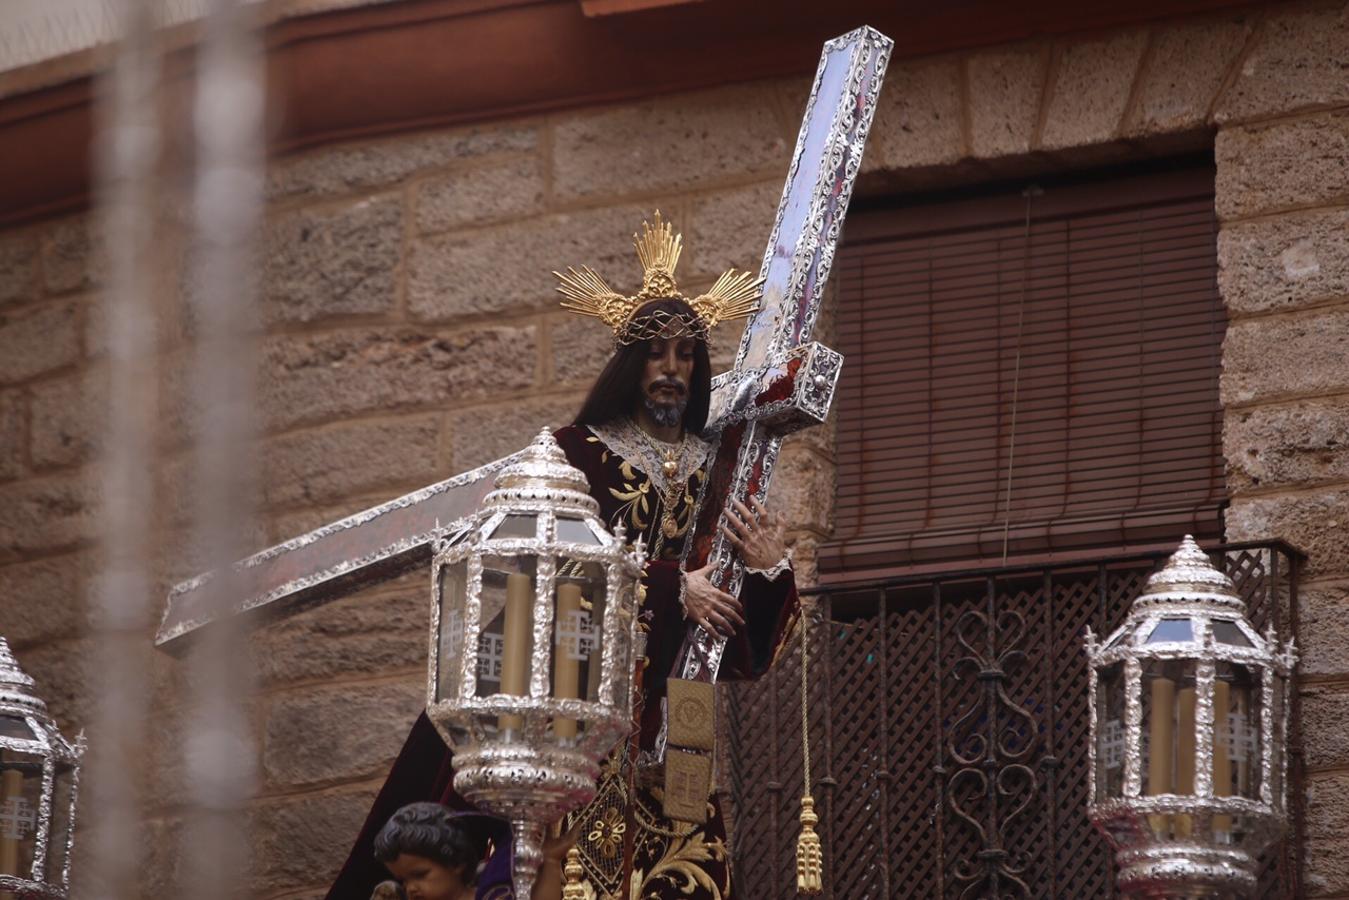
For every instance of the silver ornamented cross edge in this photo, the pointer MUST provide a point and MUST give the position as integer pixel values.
(782, 381)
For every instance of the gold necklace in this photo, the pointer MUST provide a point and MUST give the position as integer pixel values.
(669, 466)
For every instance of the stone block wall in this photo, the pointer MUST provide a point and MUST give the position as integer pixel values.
(412, 332)
(1282, 150)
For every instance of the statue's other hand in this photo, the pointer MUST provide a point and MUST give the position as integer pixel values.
(757, 534)
(708, 606)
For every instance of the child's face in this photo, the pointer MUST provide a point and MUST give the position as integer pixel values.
(426, 879)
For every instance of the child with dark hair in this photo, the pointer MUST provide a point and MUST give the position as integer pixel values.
(437, 854)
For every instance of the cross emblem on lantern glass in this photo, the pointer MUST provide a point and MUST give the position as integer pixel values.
(491, 650)
(575, 635)
(17, 819)
(1238, 738)
(1112, 744)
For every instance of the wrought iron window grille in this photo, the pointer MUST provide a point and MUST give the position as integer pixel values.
(949, 730)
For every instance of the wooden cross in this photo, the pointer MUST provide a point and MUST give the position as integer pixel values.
(780, 382)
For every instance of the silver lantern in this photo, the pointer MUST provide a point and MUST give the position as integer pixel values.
(1189, 719)
(39, 777)
(533, 625)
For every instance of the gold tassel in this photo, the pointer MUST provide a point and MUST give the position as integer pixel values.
(809, 854)
(573, 889)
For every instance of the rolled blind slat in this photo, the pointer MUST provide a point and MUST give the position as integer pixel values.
(1117, 417)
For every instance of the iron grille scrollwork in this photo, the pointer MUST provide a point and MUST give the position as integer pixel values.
(991, 743)
(948, 731)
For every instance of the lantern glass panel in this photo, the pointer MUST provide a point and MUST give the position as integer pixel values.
(60, 827)
(450, 641)
(1170, 630)
(1236, 731)
(580, 600)
(20, 795)
(1229, 633)
(15, 727)
(516, 525)
(1167, 736)
(457, 537)
(1167, 729)
(575, 531)
(506, 636)
(1110, 741)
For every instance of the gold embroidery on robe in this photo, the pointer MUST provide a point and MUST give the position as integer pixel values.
(641, 500)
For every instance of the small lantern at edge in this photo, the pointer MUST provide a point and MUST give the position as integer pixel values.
(1188, 726)
(39, 776)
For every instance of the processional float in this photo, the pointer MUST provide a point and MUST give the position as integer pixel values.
(781, 382)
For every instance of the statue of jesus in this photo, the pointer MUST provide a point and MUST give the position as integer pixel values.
(638, 440)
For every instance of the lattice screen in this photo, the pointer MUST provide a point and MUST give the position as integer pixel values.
(948, 735)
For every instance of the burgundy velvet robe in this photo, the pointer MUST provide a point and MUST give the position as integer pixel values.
(423, 770)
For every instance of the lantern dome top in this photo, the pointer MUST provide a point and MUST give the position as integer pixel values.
(542, 473)
(1190, 577)
(16, 686)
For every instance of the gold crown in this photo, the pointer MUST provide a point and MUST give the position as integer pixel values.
(733, 296)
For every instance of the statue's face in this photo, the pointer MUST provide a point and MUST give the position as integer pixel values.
(426, 879)
(665, 380)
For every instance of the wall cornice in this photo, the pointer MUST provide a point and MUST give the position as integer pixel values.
(388, 68)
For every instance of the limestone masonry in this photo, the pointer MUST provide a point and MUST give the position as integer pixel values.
(411, 332)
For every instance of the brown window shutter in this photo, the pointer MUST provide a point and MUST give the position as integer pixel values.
(1117, 437)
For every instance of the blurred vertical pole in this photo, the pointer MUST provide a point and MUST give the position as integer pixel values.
(227, 204)
(127, 154)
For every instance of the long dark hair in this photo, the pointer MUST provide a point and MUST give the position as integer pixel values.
(618, 389)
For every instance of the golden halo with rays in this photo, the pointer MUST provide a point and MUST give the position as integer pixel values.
(734, 295)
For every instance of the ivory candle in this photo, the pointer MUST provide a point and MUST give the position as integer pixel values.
(1161, 740)
(11, 786)
(566, 664)
(1185, 755)
(1222, 759)
(516, 643)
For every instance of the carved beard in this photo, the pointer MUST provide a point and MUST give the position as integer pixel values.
(667, 415)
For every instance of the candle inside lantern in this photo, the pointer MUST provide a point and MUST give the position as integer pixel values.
(516, 644)
(566, 653)
(11, 788)
(1161, 737)
(1222, 759)
(1185, 755)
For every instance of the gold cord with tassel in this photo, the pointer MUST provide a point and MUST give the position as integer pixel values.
(573, 889)
(809, 854)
